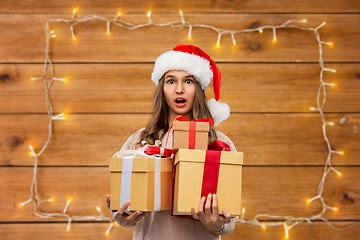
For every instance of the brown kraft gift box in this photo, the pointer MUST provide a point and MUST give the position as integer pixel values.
(189, 169)
(181, 135)
(142, 183)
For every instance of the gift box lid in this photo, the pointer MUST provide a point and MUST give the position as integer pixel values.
(184, 126)
(141, 164)
(194, 155)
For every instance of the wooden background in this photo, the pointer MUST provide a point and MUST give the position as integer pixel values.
(269, 87)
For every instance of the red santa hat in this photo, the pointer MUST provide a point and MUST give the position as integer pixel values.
(195, 61)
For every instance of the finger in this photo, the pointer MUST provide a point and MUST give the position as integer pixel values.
(108, 201)
(215, 210)
(139, 217)
(194, 214)
(123, 208)
(227, 216)
(208, 204)
(201, 207)
(133, 216)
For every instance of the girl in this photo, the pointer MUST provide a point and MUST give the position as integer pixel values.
(181, 76)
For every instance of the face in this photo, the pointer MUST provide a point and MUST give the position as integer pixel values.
(179, 91)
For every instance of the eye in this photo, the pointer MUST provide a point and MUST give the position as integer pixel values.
(189, 81)
(170, 81)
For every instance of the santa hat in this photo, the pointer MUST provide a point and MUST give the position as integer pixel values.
(195, 61)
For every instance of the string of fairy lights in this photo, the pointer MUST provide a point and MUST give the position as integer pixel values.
(287, 221)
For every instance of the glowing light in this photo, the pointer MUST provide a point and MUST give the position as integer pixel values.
(286, 231)
(118, 15)
(274, 33)
(74, 38)
(51, 200)
(22, 204)
(32, 153)
(304, 20)
(59, 117)
(261, 31)
(263, 227)
(149, 14)
(74, 13)
(329, 70)
(108, 28)
(339, 174)
(98, 209)
(335, 209)
(189, 35)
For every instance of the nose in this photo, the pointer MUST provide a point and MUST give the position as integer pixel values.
(179, 87)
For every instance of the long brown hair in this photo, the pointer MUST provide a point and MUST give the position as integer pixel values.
(159, 122)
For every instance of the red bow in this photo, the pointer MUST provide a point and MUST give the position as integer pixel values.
(219, 145)
(185, 119)
(163, 152)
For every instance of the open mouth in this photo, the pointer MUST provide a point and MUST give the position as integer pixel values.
(180, 102)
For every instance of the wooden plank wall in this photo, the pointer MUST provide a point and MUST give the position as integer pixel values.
(108, 96)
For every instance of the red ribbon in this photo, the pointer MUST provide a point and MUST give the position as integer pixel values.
(163, 152)
(219, 145)
(192, 127)
(212, 166)
(185, 119)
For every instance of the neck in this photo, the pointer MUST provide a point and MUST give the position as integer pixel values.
(173, 114)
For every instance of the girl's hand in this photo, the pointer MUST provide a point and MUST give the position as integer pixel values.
(124, 219)
(209, 215)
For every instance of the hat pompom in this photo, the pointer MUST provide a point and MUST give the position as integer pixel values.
(219, 111)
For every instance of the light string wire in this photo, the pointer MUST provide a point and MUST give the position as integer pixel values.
(287, 221)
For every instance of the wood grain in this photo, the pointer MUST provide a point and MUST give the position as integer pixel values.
(265, 139)
(26, 42)
(196, 6)
(279, 191)
(44, 231)
(127, 88)
(269, 87)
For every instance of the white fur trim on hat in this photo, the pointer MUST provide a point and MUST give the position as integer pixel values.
(176, 60)
(219, 111)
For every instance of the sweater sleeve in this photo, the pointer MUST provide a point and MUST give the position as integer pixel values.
(225, 139)
(131, 142)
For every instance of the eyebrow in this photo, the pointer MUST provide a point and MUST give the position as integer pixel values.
(171, 76)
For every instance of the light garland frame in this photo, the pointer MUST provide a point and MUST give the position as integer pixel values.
(287, 221)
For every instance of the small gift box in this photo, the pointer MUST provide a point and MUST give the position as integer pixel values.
(200, 172)
(190, 134)
(144, 181)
